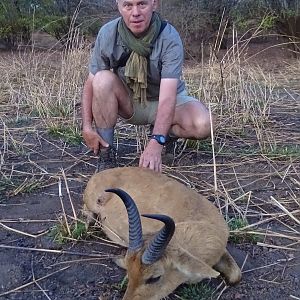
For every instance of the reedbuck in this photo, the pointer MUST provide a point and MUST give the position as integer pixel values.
(190, 246)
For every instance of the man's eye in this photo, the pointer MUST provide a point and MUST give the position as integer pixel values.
(152, 280)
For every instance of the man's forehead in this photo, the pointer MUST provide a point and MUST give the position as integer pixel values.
(133, 1)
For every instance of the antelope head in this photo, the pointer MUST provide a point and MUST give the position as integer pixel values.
(152, 275)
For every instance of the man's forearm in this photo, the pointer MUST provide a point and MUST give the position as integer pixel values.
(166, 106)
(164, 117)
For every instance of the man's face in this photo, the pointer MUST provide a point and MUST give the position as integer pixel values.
(137, 14)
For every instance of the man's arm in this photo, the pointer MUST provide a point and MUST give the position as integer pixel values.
(166, 106)
(151, 157)
(87, 97)
(91, 137)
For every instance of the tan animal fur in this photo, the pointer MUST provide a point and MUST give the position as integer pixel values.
(197, 249)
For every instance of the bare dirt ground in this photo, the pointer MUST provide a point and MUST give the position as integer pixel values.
(44, 176)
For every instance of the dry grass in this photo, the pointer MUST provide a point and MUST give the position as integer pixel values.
(253, 174)
(46, 84)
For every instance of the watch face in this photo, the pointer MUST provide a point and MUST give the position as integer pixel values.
(161, 139)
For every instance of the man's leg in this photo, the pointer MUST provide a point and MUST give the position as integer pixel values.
(110, 99)
(192, 120)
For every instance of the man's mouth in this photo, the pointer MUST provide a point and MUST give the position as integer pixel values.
(137, 22)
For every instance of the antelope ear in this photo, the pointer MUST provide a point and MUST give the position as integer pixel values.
(120, 261)
(196, 269)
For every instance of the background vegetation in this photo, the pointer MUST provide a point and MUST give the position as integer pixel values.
(199, 21)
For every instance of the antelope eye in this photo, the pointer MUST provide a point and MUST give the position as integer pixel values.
(152, 280)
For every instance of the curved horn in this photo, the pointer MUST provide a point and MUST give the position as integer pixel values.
(134, 220)
(160, 241)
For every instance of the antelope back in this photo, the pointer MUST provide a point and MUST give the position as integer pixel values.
(198, 222)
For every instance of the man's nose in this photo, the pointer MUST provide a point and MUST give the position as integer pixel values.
(136, 10)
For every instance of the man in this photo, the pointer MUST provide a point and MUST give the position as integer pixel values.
(135, 74)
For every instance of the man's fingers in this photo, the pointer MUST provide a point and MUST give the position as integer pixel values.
(144, 163)
(152, 165)
(96, 148)
(94, 141)
(159, 168)
(102, 142)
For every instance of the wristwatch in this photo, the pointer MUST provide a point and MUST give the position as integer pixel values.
(161, 139)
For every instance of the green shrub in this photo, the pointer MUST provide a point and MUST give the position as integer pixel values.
(71, 134)
(199, 291)
(240, 236)
(60, 234)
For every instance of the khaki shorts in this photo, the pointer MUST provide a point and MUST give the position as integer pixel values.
(143, 115)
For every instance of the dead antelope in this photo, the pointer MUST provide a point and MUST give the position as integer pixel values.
(189, 247)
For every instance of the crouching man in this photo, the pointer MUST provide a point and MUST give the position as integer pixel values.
(135, 73)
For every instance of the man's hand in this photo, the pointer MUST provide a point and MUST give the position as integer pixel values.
(151, 157)
(93, 140)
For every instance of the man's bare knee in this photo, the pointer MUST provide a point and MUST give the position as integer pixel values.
(200, 126)
(103, 81)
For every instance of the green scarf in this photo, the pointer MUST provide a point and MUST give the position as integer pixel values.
(136, 65)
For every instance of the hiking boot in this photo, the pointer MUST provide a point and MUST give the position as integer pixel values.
(107, 159)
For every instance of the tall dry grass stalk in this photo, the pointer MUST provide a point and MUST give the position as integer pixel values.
(47, 84)
(238, 93)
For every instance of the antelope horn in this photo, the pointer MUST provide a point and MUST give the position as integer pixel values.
(134, 220)
(160, 241)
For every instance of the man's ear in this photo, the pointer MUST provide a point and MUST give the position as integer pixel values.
(155, 4)
(118, 5)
